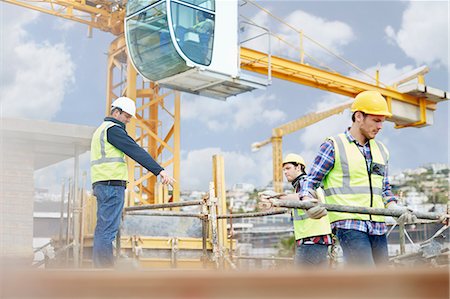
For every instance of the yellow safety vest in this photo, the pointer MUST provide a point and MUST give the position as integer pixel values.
(305, 227)
(107, 161)
(350, 183)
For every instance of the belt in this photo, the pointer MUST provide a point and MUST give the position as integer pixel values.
(111, 183)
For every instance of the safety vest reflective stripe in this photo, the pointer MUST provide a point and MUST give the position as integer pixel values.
(352, 190)
(299, 217)
(103, 158)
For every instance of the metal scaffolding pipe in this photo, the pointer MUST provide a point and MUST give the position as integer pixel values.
(273, 258)
(166, 213)
(164, 205)
(255, 214)
(358, 210)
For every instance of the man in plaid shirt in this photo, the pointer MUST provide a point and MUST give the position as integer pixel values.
(353, 168)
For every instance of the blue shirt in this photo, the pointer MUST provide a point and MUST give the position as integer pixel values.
(322, 165)
(118, 136)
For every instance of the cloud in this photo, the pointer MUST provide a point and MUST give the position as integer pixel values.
(253, 168)
(236, 113)
(423, 34)
(35, 76)
(333, 35)
(388, 73)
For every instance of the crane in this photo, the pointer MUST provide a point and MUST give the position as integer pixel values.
(277, 137)
(157, 25)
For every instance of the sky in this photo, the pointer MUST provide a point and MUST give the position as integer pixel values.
(51, 70)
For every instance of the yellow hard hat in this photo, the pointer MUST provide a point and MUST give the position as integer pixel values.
(294, 158)
(371, 102)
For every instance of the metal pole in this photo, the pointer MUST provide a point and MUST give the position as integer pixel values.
(165, 213)
(358, 210)
(401, 237)
(164, 205)
(61, 219)
(212, 203)
(76, 211)
(83, 190)
(69, 225)
(254, 214)
(204, 234)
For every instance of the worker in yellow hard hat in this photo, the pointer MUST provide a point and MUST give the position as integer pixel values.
(313, 236)
(353, 168)
(109, 175)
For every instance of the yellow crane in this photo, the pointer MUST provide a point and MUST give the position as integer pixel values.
(277, 138)
(153, 105)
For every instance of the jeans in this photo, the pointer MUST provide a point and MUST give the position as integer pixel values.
(110, 201)
(307, 255)
(361, 249)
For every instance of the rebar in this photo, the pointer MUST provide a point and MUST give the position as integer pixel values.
(358, 210)
(164, 205)
(166, 213)
(253, 214)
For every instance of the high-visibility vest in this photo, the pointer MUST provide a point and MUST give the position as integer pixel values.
(305, 227)
(350, 182)
(107, 161)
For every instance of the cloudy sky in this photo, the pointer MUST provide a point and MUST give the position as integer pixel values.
(51, 70)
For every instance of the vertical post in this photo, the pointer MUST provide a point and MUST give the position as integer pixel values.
(220, 194)
(302, 50)
(76, 211)
(401, 236)
(277, 160)
(69, 225)
(82, 216)
(176, 149)
(131, 129)
(204, 233)
(61, 219)
(212, 203)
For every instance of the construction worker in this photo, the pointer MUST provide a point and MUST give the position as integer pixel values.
(204, 24)
(313, 236)
(353, 168)
(109, 175)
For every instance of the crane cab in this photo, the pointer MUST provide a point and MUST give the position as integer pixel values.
(188, 45)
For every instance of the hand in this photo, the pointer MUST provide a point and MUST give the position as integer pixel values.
(406, 217)
(268, 194)
(317, 211)
(166, 179)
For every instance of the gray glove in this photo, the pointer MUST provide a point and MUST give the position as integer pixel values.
(317, 211)
(407, 217)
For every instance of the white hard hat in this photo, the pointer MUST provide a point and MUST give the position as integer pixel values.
(126, 104)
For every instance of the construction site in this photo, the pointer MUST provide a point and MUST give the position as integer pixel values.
(223, 92)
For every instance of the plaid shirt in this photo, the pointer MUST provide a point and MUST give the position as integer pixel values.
(323, 164)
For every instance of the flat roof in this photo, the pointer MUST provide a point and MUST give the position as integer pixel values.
(51, 142)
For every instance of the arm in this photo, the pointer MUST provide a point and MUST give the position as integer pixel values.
(322, 165)
(120, 139)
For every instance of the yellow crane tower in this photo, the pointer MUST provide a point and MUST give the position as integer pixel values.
(146, 29)
(277, 138)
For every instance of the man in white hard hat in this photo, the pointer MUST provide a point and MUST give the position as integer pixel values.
(109, 174)
(313, 236)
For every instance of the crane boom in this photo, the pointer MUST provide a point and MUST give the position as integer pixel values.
(100, 14)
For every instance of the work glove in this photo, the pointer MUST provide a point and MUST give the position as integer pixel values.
(265, 197)
(317, 211)
(407, 217)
